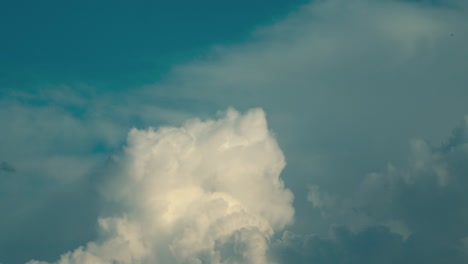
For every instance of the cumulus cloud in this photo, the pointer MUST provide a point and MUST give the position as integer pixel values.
(58, 139)
(208, 191)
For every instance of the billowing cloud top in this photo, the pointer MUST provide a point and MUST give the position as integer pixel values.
(205, 191)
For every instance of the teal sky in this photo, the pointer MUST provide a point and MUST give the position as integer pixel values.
(118, 43)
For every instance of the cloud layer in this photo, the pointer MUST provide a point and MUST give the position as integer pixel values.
(208, 191)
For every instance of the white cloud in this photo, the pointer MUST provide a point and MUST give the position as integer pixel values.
(197, 190)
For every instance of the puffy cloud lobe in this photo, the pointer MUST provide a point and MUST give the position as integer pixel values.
(427, 192)
(208, 191)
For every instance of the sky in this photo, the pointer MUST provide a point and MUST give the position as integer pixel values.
(331, 131)
(117, 43)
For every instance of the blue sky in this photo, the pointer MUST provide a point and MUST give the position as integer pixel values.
(257, 132)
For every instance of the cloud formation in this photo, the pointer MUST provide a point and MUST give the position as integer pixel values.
(208, 191)
(346, 84)
(413, 214)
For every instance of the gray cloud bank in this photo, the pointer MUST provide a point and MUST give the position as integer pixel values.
(414, 214)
